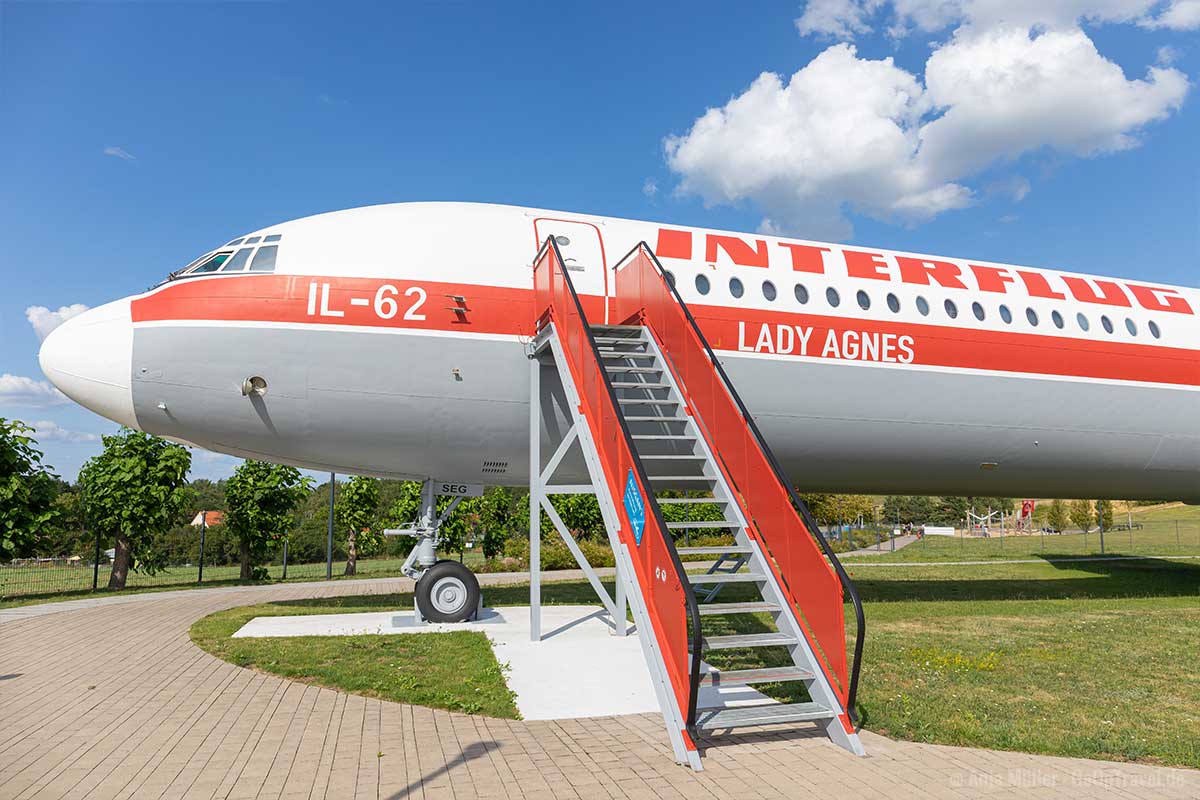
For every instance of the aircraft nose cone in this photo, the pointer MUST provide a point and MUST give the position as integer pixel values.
(90, 359)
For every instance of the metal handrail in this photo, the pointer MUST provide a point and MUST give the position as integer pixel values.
(693, 608)
(802, 507)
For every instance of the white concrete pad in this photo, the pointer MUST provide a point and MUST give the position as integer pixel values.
(578, 669)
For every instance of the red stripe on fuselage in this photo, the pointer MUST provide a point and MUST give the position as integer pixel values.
(496, 310)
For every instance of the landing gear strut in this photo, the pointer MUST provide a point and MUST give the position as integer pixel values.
(446, 590)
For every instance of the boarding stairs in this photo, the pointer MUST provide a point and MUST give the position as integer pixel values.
(662, 429)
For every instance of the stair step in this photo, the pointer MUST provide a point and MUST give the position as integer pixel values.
(747, 677)
(718, 550)
(609, 353)
(643, 370)
(639, 385)
(656, 419)
(645, 401)
(667, 457)
(713, 609)
(701, 523)
(613, 340)
(773, 714)
(725, 577)
(747, 640)
(616, 327)
(690, 500)
(674, 437)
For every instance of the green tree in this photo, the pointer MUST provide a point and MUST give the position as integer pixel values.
(829, 508)
(498, 518)
(260, 498)
(135, 491)
(356, 510)
(1081, 514)
(1058, 518)
(27, 491)
(1104, 514)
(915, 509)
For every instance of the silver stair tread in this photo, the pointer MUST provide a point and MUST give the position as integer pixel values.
(616, 327)
(671, 457)
(712, 609)
(732, 549)
(725, 577)
(773, 714)
(747, 640)
(647, 401)
(639, 385)
(664, 437)
(702, 523)
(608, 353)
(746, 677)
(656, 419)
(619, 368)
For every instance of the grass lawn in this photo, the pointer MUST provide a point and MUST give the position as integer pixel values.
(1158, 537)
(1092, 659)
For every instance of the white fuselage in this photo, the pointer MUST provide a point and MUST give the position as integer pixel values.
(392, 342)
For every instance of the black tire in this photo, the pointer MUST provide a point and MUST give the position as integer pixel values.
(447, 592)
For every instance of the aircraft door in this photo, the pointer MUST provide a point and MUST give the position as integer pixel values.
(583, 254)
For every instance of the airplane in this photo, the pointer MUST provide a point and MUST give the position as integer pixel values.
(391, 340)
(396, 341)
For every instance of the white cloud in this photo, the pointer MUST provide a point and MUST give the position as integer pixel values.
(650, 187)
(47, 431)
(1166, 55)
(1180, 15)
(840, 18)
(846, 133)
(17, 390)
(119, 152)
(1008, 219)
(44, 320)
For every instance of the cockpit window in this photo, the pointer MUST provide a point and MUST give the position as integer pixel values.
(211, 265)
(238, 262)
(253, 239)
(264, 259)
(274, 237)
(234, 243)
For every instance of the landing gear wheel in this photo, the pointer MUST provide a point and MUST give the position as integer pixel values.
(447, 592)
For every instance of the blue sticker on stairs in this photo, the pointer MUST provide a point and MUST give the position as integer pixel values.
(635, 507)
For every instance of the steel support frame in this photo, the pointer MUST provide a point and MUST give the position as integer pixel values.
(628, 591)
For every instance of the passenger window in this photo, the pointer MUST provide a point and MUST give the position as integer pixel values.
(670, 276)
(212, 265)
(702, 284)
(893, 303)
(1154, 331)
(1058, 319)
(977, 310)
(951, 309)
(735, 287)
(238, 262)
(1131, 326)
(264, 259)
(1006, 315)
(832, 296)
(1032, 316)
(769, 290)
(801, 294)
(864, 300)
(1107, 323)
(1083, 321)
(923, 306)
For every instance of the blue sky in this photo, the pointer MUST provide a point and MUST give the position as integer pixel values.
(137, 135)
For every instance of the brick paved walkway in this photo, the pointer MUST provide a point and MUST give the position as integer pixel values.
(112, 700)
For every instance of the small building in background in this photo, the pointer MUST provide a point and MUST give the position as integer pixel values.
(214, 518)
